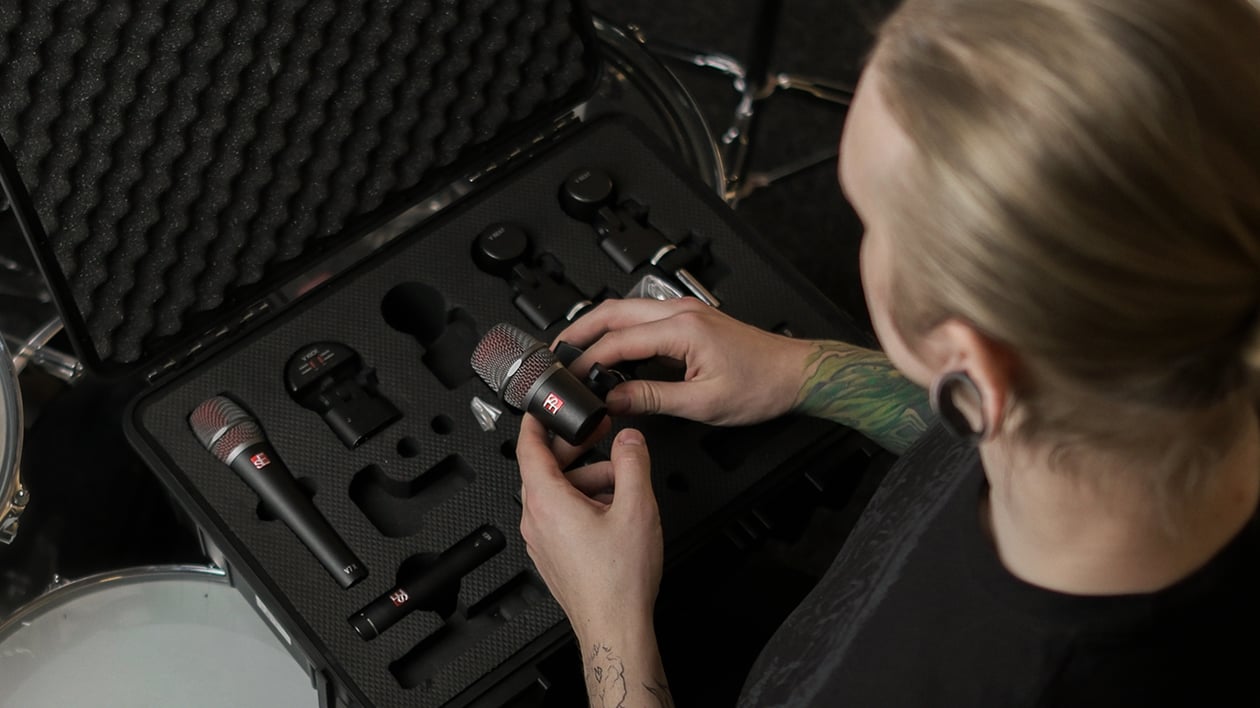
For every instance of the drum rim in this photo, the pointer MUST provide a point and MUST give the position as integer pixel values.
(10, 479)
(673, 94)
(70, 590)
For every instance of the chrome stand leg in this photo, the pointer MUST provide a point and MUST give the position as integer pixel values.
(35, 351)
(755, 84)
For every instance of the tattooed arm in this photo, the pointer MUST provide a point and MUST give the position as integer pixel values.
(595, 537)
(625, 673)
(737, 374)
(859, 388)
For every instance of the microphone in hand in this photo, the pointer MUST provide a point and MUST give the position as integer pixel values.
(528, 377)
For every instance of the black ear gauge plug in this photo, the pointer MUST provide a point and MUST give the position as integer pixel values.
(589, 194)
(331, 379)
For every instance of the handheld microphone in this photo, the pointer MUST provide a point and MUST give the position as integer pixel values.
(527, 376)
(237, 440)
(454, 563)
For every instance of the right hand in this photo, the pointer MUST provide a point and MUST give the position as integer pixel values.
(736, 374)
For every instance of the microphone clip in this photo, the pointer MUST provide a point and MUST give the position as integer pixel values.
(331, 379)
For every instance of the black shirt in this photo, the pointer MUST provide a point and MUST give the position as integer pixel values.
(917, 610)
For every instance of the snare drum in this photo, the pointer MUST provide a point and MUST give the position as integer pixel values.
(163, 636)
(15, 355)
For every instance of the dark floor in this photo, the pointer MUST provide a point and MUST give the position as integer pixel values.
(96, 508)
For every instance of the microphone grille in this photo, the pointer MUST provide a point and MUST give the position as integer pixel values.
(519, 383)
(497, 360)
(218, 421)
(244, 433)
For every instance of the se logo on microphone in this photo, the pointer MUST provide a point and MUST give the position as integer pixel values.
(260, 460)
(553, 403)
(398, 597)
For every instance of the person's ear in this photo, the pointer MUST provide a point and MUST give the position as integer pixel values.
(972, 379)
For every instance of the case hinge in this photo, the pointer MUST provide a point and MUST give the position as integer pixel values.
(528, 146)
(206, 341)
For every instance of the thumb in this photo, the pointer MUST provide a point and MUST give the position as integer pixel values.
(632, 467)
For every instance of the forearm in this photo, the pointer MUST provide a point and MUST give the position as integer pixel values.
(623, 668)
(860, 389)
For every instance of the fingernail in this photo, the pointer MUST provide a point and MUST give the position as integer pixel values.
(630, 436)
(617, 402)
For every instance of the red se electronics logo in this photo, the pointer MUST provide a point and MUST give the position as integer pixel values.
(398, 597)
(553, 403)
(260, 460)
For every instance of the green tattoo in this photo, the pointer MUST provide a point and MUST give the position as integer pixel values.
(860, 389)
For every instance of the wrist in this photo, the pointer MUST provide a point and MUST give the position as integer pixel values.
(623, 667)
(627, 630)
(811, 373)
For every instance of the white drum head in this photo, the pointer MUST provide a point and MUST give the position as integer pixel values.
(158, 639)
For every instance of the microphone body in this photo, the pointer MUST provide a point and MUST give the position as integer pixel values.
(454, 563)
(527, 376)
(236, 439)
(565, 404)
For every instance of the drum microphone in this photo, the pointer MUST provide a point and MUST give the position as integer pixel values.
(528, 377)
(419, 592)
(237, 440)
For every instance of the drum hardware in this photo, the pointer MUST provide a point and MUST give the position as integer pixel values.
(35, 350)
(757, 180)
(636, 82)
(12, 510)
(754, 83)
(13, 496)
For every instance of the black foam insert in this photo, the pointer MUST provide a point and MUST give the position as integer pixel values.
(170, 157)
(418, 487)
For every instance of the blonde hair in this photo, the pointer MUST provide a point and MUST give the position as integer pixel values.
(1086, 189)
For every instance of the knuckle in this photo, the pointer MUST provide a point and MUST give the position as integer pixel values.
(691, 304)
(650, 399)
(690, 318)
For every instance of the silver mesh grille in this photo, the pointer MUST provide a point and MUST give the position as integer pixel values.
(495, 361)
(246, 433)
(219, 418)
(519, 383)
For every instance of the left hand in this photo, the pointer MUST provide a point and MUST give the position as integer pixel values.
(595, 533)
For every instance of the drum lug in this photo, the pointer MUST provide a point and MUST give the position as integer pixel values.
(11, 511)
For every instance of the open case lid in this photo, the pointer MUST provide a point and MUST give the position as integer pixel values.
(172, 161)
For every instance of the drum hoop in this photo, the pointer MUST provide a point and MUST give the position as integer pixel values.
(13, 497)
(69, 591)
(670, 92)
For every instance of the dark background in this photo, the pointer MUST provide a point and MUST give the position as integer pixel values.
(96, 507)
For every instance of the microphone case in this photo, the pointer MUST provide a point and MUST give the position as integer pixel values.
(222, 193)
